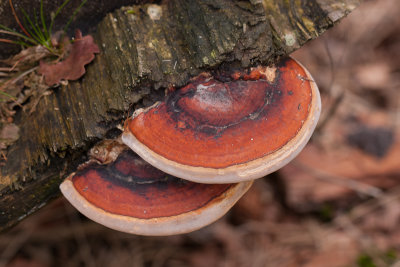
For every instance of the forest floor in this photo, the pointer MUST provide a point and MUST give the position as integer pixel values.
(336, 204)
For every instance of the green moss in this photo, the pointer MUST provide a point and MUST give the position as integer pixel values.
(390, 256)
(131, 11)
(365, 260)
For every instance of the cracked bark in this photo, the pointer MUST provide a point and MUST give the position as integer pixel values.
(142, 55)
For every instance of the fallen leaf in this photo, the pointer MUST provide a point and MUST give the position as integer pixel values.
(73, 67)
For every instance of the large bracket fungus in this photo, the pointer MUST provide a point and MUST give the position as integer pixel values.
(229, 128)
(130, 195)
(218, 133)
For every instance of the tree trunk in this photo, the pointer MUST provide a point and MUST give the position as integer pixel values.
(144, 50)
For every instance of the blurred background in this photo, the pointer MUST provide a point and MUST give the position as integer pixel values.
(336, 204)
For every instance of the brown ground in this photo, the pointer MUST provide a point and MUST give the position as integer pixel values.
(337, 204)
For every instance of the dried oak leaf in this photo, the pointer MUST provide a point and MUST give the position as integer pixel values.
(73, 67)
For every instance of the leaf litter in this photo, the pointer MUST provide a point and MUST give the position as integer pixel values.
(34, 73)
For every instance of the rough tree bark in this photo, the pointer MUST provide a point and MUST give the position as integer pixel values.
(145, 49)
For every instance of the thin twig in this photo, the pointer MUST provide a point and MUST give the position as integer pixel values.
(331, 64)
(16, 63)
(371, 205)
(14, 80)
(6, 69)
(328, 115)
(357, 186)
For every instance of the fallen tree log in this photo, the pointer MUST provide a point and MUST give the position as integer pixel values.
(144, 50)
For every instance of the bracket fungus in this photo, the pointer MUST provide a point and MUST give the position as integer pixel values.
(230, 128)
(216, 134)
(130, 195)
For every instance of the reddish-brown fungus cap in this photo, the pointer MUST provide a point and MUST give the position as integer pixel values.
(228, 129)
(132, 196)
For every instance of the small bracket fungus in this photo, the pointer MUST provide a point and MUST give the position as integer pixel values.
(130, 195)
(230, 128)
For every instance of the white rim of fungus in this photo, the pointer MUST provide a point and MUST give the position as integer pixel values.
(163, 226)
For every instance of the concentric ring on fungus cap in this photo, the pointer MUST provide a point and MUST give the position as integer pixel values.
(232, 128)
(132, 196)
